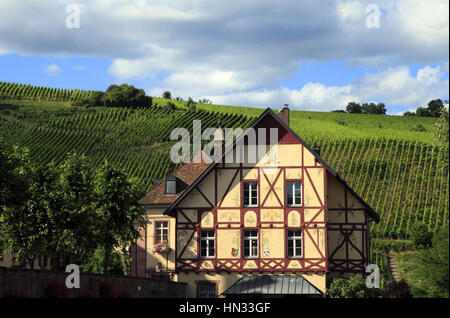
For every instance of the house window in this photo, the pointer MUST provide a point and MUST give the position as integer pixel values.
(171, 186)
(207, 244)
(250, 243)
(294, 193)
(250, 194)
(161, 232)
(206, 290)
(294, 243)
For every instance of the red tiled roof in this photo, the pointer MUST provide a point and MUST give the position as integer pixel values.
(187, 173)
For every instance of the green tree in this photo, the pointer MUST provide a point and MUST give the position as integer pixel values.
(125, 96)
(431, 269)
(119, 214)
(167, 95)
(32, 228)
(435, 107)
(352, 287)
(441, 135)
(420, 236)
(95, 99)
(77, 214)
(70, 211)
(96, 262)
(372, 108)
(354, 108)
(191, 105)
(13, 185)
(424, 112)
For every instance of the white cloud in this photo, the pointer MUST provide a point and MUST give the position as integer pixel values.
(424, 21)
(237, 48)
(394, 86)
(351, 11)
(53, 70)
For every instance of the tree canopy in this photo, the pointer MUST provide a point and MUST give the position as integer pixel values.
(366, 108)
(434, 109)
(167, 95)
(351, 287)
(118, 212)
(72, 210)
(354, 108)
(117, 96)
(13, 186)
(431, 268)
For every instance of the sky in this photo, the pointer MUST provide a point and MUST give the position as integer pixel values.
(312, 55)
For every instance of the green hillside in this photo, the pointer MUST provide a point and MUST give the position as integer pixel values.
(385, 159)
(309, 124)
(39, 93)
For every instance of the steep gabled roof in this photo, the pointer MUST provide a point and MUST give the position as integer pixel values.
(187, 173)
(269, 112)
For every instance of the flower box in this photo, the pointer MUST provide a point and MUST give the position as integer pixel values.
(160, 248)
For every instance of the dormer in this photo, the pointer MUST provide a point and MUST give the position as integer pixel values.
(171, 185)
(174, 185)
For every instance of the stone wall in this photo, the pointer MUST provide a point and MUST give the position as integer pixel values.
(33, 283)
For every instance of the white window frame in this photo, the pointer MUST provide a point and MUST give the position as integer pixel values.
(294, 203)
(294, 239)
(250, 239)
(209, 240)
(250, 198)
(159, 232)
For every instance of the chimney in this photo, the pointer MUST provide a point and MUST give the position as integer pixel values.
(284, 114)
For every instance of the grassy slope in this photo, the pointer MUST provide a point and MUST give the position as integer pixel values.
(405, 262)
(308, 124)
(395, 174)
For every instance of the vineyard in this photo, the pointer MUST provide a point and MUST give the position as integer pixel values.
(38, 93)
(341, 126)
(136, 140)
(404, 182)
(398, 173)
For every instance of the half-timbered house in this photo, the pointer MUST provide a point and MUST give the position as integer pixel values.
(261, 228)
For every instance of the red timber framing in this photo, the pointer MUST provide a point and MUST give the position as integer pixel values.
(323, 263)
(309, 229)
(345, 231)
